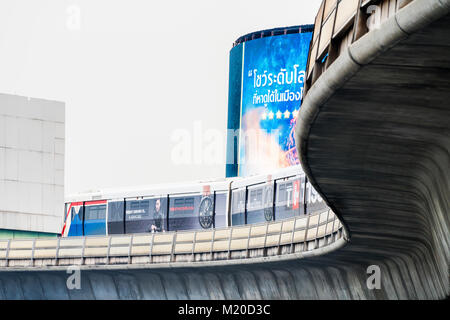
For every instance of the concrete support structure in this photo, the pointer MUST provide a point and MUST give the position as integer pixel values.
(374, 139)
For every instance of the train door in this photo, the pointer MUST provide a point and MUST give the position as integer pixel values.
(116, 219)
(255, 206)
(220, 205)
(260, 203)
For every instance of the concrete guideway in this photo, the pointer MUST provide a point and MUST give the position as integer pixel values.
(294, 238)
(374, 140)
(229, 263)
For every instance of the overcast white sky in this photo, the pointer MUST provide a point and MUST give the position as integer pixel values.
(132, 73)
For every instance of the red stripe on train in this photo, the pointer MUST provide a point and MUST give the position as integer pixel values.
(91, 203)
(181, 208)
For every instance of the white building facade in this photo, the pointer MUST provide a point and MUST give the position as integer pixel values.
(32, 142)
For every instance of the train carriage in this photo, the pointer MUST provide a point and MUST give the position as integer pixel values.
(150, 209)
(193, 206)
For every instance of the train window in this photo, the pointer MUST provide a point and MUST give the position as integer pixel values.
(91, 213)
(288, 194)
(282, 193)
(255, 200)
(179, 202)
(135, 205)
(251, 199)
(189, 202)
(138, 207)
(145, 204)
(184, 203)
(234, 207)
(76, 211)
(95, 212)
(238, 207)
(238, 197)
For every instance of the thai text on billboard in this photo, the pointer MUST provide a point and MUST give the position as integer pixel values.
(273, 75)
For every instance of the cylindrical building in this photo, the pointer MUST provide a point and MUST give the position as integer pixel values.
(267, 72)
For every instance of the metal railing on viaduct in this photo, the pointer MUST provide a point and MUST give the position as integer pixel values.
(294, 235)
(339, 23)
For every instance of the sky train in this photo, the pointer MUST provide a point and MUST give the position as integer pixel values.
(192, 206)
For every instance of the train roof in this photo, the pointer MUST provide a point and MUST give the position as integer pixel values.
(181, 187)
(149, 190)
(268, 177)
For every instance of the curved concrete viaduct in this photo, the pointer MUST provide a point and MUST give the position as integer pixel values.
(374, 139)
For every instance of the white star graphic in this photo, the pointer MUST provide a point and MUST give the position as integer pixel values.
(287, 114)
(279, 114)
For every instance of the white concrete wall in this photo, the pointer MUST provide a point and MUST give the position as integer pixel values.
(31, 164)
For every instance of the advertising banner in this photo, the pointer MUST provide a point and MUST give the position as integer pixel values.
(272, 79)
(147, 215)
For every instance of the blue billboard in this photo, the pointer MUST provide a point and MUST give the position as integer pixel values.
(272, 78)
